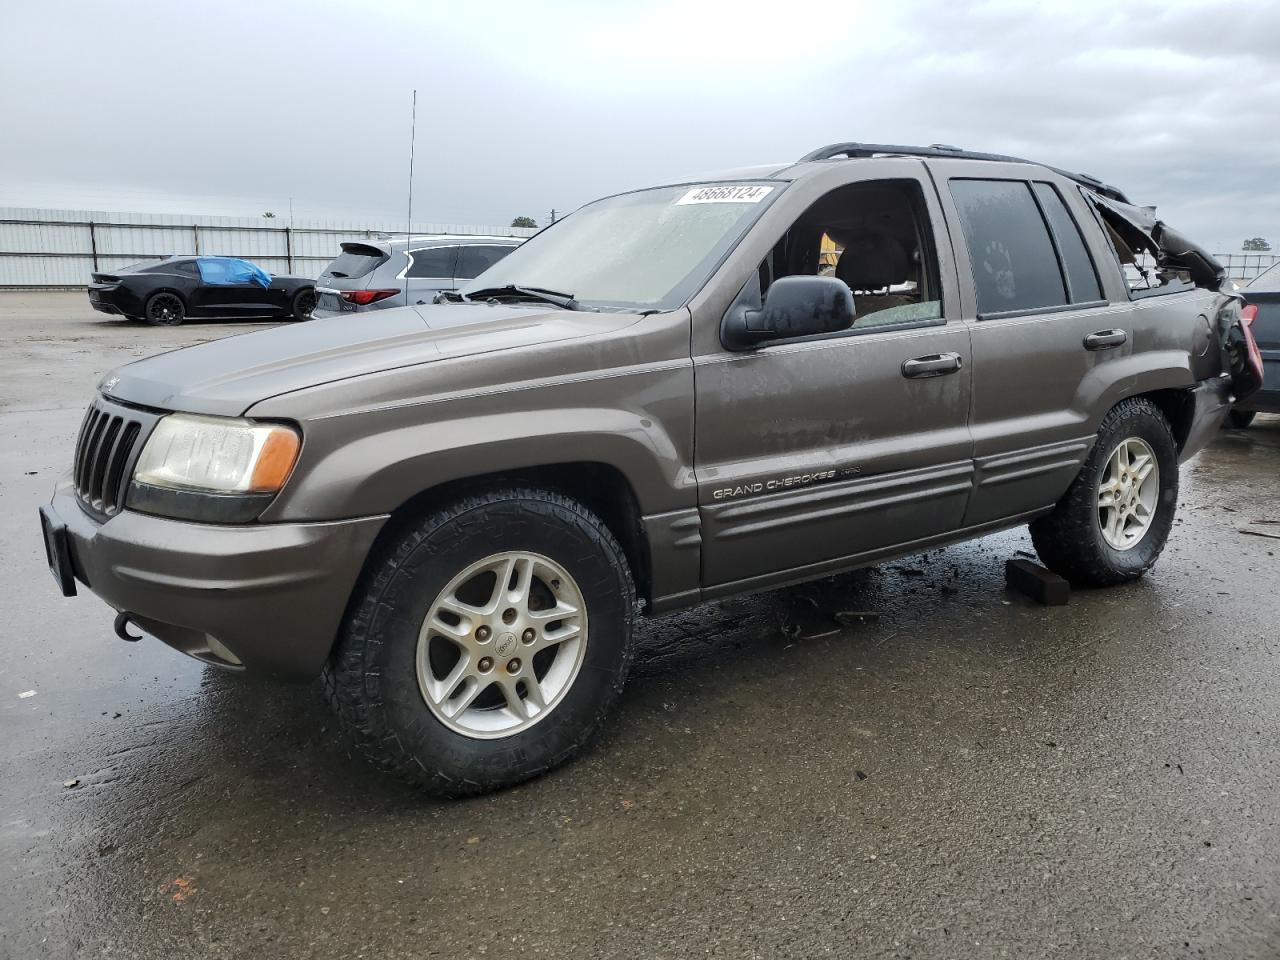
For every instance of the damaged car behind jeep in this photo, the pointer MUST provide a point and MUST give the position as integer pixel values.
(456, 512)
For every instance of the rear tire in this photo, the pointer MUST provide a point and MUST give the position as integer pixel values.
(1240, 419)
(304, 302)
(1072, 541)
(165, 309)
(449, 725)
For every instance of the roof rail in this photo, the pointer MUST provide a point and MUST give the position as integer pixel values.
(855, 151)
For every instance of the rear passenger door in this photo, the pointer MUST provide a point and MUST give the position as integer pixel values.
(1042, 329)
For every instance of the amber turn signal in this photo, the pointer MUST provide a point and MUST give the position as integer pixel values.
(275, 460)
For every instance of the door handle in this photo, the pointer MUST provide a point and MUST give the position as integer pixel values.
(935, 365)
(1105, 339)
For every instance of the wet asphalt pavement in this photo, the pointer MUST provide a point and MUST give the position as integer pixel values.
(966, 775)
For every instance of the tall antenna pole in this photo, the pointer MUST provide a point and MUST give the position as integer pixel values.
(413, 136)
(413, 133)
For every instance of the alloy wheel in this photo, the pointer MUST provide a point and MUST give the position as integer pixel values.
(304, 305)
(165, 308)
(1128, 494)
(502, 644)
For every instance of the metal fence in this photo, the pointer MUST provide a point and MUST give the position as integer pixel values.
(1243, 267)
(60, 248)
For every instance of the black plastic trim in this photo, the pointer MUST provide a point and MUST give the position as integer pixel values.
(198, 505)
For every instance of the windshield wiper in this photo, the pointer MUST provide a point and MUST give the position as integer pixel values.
(531, 293)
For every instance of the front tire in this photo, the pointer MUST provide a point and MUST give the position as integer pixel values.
(486, 642)
(1113, 522)
(165, 309)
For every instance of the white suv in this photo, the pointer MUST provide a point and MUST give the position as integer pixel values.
(372, 274)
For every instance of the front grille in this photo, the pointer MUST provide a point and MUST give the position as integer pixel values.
(105, 453)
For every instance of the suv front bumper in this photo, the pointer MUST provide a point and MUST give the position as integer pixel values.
(272, 595)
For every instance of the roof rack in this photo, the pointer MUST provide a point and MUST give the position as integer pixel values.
(855, 151)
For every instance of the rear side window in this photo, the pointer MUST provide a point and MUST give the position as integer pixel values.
(473, 261)
(185, 268)
(1013, 260)
(356, 260)
(1082, 279)
(434, 262)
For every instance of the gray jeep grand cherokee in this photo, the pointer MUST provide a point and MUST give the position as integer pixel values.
(455, 512)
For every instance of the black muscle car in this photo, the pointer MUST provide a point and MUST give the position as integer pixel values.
(170, 290)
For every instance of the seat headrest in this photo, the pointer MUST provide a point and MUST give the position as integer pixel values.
(872, 262)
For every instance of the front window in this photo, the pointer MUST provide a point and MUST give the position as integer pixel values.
(648, 250)
(876, 238)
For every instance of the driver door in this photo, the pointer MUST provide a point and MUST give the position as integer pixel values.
(813, 453)
(224, 294)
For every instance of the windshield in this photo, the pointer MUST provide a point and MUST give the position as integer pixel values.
(649, 250)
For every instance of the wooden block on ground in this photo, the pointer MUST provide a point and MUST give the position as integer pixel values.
(1037, 582)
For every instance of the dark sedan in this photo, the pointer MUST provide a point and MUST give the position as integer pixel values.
(1262, 313)
(170, 290)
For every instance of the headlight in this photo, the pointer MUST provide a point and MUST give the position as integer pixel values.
(212, 468)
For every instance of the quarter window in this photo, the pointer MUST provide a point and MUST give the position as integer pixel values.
(1082, 279)
(1013, 260)
(434, 262)
(183, 267)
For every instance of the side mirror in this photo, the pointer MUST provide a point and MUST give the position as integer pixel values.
(794, 307)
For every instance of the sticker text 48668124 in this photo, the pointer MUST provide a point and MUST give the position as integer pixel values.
(726, 193)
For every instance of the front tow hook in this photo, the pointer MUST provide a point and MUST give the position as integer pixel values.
(122, 628)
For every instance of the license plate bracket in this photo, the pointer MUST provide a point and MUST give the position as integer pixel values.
(57, 550)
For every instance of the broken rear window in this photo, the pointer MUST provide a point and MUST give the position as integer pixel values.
(1137, 252)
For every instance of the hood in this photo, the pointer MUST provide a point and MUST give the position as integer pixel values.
(225, 377)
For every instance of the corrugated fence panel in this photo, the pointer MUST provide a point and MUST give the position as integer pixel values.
(57, 247)
(44, 238)
(124, 244)
(317, 248)
(251, 244)
(45, 271)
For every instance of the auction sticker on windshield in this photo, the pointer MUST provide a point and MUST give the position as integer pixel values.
(740, 193)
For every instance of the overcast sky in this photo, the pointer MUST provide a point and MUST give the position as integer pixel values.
(234, 107)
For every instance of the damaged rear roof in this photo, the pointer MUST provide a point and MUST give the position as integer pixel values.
(942, 151)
